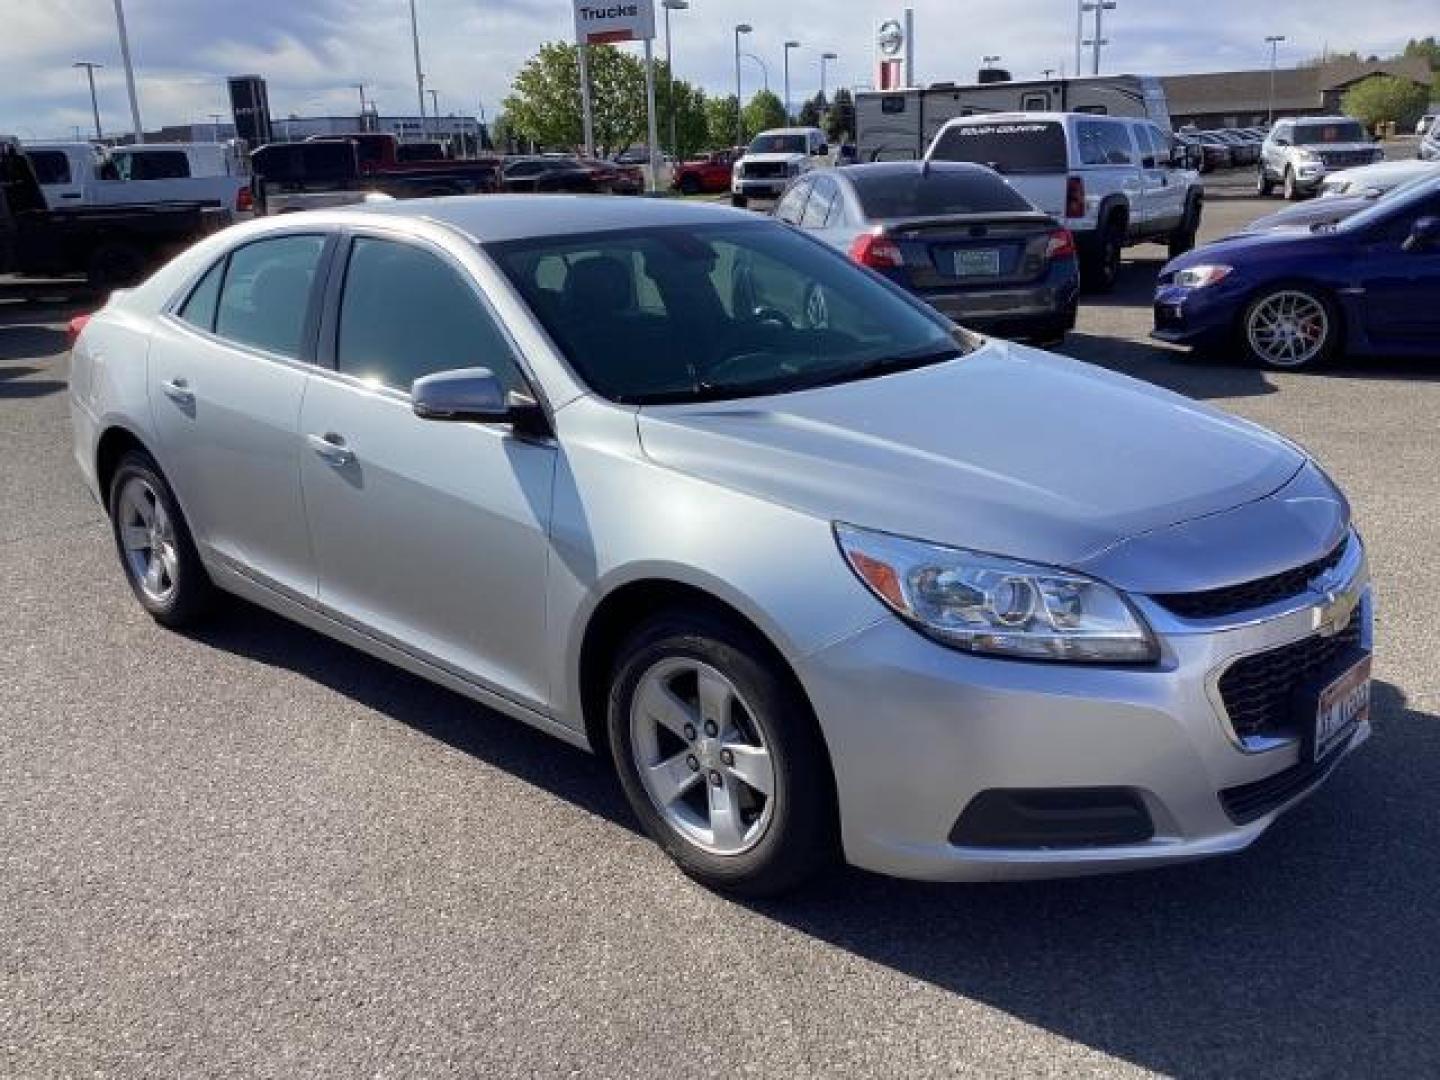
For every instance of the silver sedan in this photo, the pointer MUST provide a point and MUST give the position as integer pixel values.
(822, 573)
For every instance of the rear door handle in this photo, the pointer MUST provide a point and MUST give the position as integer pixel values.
(178, 391)
(332, 448)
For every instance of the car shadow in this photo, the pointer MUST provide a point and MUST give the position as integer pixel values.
(1204, 379)
(14, 382)
(27, 341)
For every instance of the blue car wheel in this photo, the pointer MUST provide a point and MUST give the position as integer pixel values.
(1290, 327)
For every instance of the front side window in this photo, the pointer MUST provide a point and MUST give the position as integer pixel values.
(717, 311)
(266, 294)
(406, 313)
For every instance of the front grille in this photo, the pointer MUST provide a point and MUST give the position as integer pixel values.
(1232, 599)
(1249, 802)
(1257, 689)
(1343, 159)
(764, 170)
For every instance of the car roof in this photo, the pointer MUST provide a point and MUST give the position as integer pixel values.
(497, 218)
(788, 131)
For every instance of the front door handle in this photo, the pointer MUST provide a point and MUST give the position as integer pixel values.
(178, 391)
(332, 448)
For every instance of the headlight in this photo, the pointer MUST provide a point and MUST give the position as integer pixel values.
(1000, 607)
(1197, 277)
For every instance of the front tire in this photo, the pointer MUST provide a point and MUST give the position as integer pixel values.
(689, 184)
(740, 202)
(720, 756)
(153, 541)
(1291, 189)
(1183, 238)
(1291, 328)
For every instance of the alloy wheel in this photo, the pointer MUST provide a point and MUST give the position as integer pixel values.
(147, 538)
(1288, 328)
(702, 756)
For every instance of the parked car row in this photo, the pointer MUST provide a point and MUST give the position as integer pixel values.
(1225, 148)
(82, 174)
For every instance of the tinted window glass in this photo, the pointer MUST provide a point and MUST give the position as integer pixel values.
(822, 200)
(715, 311)
(1103, 144)
(899, 193)
(406, 313)
(152, 165)
(792, 203)
(1012, 147)
(1339, 132)
(779, 144)
(199, 309)
(267, 293)
(51, 166)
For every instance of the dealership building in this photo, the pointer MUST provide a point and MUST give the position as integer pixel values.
(1243, 98)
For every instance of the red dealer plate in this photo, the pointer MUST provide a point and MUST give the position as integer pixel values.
(1343, 705)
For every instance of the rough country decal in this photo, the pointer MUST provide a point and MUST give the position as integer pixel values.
(971, 131)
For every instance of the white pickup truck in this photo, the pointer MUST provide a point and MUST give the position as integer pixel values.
(81, 174)
(1112, 181)
(775, 158)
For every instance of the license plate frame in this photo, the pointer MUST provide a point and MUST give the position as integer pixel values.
(975, 262)
(1341, 706)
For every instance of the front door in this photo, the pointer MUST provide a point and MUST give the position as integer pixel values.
(227, 373)
(431, 535)
(1402, 287)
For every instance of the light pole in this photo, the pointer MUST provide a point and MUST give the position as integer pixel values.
(361, 87)
(419, 73)
(825, 58)
(764, 68)
(434, 110)
(789, 114)
(90, 66)
(1099, 7)
(669, 6)
(1274, 42)
(740, 28)
(129, 71)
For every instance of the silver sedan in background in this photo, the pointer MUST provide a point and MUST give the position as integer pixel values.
(822, 573)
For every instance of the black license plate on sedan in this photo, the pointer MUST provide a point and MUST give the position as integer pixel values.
(977, 262)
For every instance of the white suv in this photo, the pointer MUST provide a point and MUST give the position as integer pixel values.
(1298, 154)
(773, 159)
(1113, 181)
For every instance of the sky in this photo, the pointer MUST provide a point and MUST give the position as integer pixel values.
(313, 51)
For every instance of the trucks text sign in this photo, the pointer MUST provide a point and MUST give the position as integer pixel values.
(598, 21)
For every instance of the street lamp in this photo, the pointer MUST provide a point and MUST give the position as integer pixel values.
(1274, 42)
(764, 68)
(90, 66)
(669, 6)
(419, 73)
(825, 57)
(740, 28)
(1099, 7)
(789, 115)
(129, 71)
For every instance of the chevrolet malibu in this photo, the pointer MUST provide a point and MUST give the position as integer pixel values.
(822, 573)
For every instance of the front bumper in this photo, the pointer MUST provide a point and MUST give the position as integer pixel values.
(1199, 318)
(1041, 311)
(917, 731)
(760, 188)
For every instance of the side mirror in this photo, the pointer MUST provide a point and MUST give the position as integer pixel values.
(822, 150)
(1424, 235)
(473, 395)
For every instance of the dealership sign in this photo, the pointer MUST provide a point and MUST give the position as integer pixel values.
(600, 21)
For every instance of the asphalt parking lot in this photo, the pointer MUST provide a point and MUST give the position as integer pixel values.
(255, 852)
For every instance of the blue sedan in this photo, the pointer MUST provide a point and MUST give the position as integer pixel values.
(1368, 285)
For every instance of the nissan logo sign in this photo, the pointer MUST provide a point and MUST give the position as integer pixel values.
(890, 38)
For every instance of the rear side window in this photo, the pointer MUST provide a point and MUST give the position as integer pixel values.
(1014, 147)
(901, 193)
(199, 309)
(822, 202)
(406, 313)
(792, 203)
(266, 294)
(1103, 144)
(51, 166)
(152, 165)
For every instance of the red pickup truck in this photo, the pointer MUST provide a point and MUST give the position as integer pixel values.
(706, 174)
(383, 155)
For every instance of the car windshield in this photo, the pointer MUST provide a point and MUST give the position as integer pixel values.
(1339, 131)
(715, 311)
(895, 192)
(778, 144)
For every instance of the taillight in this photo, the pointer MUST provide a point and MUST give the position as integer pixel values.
(1075, 197)
(74, 328)
(877, 251)
(1061, 245)
(244, 199)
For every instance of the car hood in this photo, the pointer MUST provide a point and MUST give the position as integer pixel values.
(1386, 174)
(1008, 450)
(1332, 208)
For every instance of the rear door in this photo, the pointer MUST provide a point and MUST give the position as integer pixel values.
(61, 176)
(227, 373)
(1164, 196)
(1029, 153)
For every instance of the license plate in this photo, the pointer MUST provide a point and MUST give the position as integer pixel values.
(977, 262)
(1343, 704)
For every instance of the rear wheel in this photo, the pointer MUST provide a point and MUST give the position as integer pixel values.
(689, 184)
(739, 201)
(720, 756)
(1291, 328)
(1183, 238)
(1101, 266)
(154, 544)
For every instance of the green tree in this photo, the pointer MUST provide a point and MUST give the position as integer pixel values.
(720, 118)
(1427, 47)
(811, 111)
(840, 120)
(544, 102)
(763, 112)
(1382, 98)
(692, 121)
